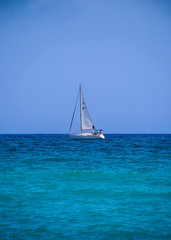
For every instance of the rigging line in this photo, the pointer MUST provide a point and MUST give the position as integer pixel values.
(74, 113)
(80, 109)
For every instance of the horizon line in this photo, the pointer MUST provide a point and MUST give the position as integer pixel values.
(67, 133)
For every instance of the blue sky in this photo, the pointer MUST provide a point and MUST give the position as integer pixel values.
(119, 50)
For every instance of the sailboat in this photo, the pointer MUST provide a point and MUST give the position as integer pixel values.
(85, 122)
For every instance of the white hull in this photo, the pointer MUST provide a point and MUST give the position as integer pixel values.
(86, 136)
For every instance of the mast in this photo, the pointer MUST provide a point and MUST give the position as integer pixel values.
(80, 111)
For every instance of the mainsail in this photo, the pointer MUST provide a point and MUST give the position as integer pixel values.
(86, 122)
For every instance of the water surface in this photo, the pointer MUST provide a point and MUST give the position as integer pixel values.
(52, 187)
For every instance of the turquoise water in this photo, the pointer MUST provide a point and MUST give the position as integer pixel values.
(52, 187)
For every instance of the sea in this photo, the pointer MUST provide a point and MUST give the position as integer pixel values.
(52, 187)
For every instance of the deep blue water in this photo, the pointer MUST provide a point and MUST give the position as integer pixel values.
(54, 188)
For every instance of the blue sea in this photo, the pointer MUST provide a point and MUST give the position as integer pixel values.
(55, 188)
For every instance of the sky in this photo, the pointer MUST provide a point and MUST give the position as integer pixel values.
(119, 50)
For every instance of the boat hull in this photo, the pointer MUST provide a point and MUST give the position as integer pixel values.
(84, 136)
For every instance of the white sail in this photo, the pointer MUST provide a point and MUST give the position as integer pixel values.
(86, 123)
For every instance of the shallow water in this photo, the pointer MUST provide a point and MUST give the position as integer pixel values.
(52, 187)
